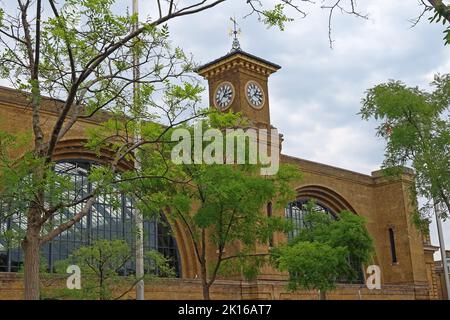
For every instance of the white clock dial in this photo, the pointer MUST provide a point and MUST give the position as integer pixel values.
(224, 95)
(254, 94)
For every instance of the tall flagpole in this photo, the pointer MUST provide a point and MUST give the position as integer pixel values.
(137, 214)
(437, 212)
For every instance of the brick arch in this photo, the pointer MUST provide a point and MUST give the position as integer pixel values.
(76, 149)
(188, 263)
(325, 196)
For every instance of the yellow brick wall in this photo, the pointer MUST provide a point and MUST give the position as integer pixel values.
(11, 288)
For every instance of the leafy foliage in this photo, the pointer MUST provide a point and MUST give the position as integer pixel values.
(276, 17)
(415, 125)
(102, 265)
(321, 254)
(312, 265)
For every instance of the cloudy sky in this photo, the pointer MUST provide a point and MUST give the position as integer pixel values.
(317, 94)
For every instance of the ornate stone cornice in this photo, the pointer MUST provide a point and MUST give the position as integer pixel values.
(238, 59)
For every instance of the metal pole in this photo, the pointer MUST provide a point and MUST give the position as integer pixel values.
(137, 214)
(437, 212)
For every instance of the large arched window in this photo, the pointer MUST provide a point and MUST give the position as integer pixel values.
(296, 212)
(111, 217)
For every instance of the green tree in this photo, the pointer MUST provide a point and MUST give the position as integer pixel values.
(102, 265)
(222, 210)
(325, 251)
(415, 125)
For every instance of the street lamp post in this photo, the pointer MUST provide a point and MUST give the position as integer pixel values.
(137, 214)
(437, 212)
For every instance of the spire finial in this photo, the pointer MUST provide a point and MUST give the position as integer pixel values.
(234, 33)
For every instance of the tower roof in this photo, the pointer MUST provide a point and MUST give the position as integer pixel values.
(238, 57)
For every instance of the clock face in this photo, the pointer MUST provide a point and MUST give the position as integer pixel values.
(224, 95)
(254, 94)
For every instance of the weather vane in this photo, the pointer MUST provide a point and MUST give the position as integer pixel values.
(234, 33)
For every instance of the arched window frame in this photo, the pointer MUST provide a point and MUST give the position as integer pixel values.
(156, 231)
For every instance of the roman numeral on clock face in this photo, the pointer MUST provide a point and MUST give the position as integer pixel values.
(224, 96)
(255, 94)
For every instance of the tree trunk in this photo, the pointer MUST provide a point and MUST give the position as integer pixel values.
(322, 295)
(205, 284)
(204, 274)
(206, 292)
(30, 246)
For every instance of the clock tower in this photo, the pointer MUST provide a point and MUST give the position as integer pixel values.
(238, 82)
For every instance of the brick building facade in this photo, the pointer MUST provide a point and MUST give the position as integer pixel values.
(239, 82)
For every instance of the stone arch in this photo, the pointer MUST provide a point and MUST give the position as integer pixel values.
(329, 202)
(325, 196)
(75, 149)
(189, 266)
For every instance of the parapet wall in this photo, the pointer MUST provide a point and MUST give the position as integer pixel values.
(11, 288)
